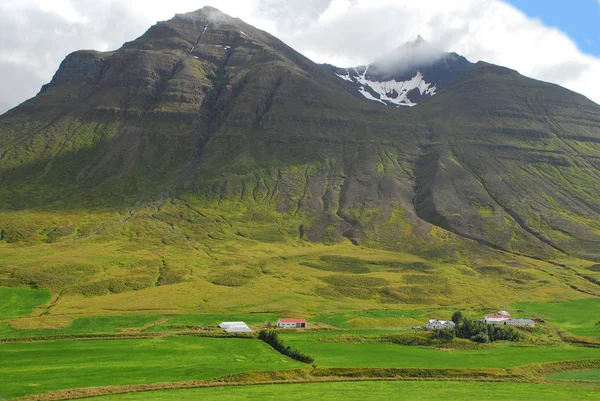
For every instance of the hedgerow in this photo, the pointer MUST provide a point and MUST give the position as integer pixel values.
(271, 338)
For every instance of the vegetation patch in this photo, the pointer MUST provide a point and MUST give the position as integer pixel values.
(357, 287)
(480, 332)
(416, 279)
(340, 280)
(271, 338)
(71, 364)
(588, 374)
(50, 326)
(339, 264)
(51, 277)
(17, 302)
(506, 272)
(578, 317)
(416, 390)
(236, 276)
(346, 354)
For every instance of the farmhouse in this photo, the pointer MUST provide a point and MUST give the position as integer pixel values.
(504, 318)
(235, 327)
(497, 318)
(291, 323)
(433, 324)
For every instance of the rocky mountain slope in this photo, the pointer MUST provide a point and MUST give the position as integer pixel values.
(206, 108)
(406, 77)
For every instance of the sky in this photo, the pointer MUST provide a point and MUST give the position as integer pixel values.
(552, 40)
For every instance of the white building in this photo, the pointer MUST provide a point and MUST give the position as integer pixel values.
(235, 327)
(433, 324)
(503, 317)
(496, 318)
(520, 322)
(292, 323)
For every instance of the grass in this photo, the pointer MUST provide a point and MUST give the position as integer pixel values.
(579, 317)
(374, 318)
(591, 374)
(177, 258)
(17, 302)
(85, 325)
(29, 368)
(400, 390)
(398, 356)
(213, 320)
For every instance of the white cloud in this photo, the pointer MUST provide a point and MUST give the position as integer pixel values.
(37, 34)
(491, 30)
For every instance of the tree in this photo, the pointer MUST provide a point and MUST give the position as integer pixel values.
(444, 334)
(481, 338)
(457, 317)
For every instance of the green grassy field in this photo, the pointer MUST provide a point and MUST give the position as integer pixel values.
(84, 325)
(16, 302)
(402, 390)
(212, 320)
(591, 374)
(392, 355)
(29, 368)
(580, 317)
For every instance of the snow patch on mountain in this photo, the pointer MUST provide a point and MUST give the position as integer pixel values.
(345, 77)
(390, 92)
(369, 96)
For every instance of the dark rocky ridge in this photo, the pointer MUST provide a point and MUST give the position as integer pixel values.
(234, 118)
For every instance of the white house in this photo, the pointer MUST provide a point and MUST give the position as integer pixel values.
(433, 324)
(292, 323)
(235, 327)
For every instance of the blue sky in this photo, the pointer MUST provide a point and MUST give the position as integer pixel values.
(580, 19)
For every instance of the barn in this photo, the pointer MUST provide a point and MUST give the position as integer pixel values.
(292, 323)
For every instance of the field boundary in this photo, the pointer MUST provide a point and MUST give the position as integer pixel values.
(82, 393)
(525, 374)
(127, 336)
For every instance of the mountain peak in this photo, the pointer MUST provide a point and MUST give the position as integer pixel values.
(206, 12)
(207, 15)
(408, 75)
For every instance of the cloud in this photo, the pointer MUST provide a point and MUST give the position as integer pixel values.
(38, 34)
(491, 30)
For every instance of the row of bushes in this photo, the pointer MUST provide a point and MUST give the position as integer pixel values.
(271, 338)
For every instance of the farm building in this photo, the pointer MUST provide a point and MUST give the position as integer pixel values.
(433, 324)
(496, 318)
(520, 322)
(504, 318)
(291, 323)
(235, 327)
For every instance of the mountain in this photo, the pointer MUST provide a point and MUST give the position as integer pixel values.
(408, 76)
(197, 150)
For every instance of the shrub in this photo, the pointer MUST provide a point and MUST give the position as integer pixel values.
(444, 334)
(481, 338)
(271, 338)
